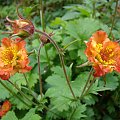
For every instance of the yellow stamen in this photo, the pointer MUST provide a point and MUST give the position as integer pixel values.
(9, 55)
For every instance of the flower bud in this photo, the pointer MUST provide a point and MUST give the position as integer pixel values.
(21, 27)
(44, 39)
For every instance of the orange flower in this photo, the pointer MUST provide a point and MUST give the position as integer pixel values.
(103, 54)
(5, 108)
(13, 58)
(21, 27)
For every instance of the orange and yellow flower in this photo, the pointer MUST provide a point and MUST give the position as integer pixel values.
(103, 54)
(13, 58)
(5, 108)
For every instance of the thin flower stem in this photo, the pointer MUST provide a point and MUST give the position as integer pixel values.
(40, 78)
(113, 19)
(66, 46)
(14, 94)
(30, 88)
(24, 95)
(90, 86)
(88, 80)
(61, 59)
(94, 9)
(43, 28)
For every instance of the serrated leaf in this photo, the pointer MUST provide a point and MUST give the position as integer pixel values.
(10, 116)
(90, 99)
(31, 115)
(19, 104)
(59, 91)
(79, 83)
(57, 22)
(18, 79)
(82, 28)
(61, 104)
(32, 79)
(58, 70)
(78, 112)
(99, 85)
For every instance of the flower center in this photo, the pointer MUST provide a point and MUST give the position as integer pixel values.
(106, 55)
(9, 55)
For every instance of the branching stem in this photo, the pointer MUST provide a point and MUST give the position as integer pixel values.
(61, 59)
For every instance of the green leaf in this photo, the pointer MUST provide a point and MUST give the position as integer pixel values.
(59, 71)
(19, 104)
(57, 22)
(4, 93)
(10, 116)
(31, 115)
(112, 82)
(18, 79)
(71, 15)
(99, 85)
(79, 83)
(33, 79)
(73, 46)
(59, 91)
(51, 54)
(27, 11)
(73, 54)
(82, 28)
(78, 113)
(81, 54)
(90, 99)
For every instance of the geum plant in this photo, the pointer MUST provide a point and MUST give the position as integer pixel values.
(64, 99)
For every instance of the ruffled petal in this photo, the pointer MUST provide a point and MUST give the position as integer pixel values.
(6, 42)
(100, 37)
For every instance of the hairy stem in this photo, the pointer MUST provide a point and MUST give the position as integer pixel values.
(113, 18)
(40, 78)
(14, 94)
(61, 59)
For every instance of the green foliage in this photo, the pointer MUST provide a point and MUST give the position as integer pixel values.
(72, 22)
(18, 79)
(10, 116)
(82, 28)
(31, 115)
(3, 92)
